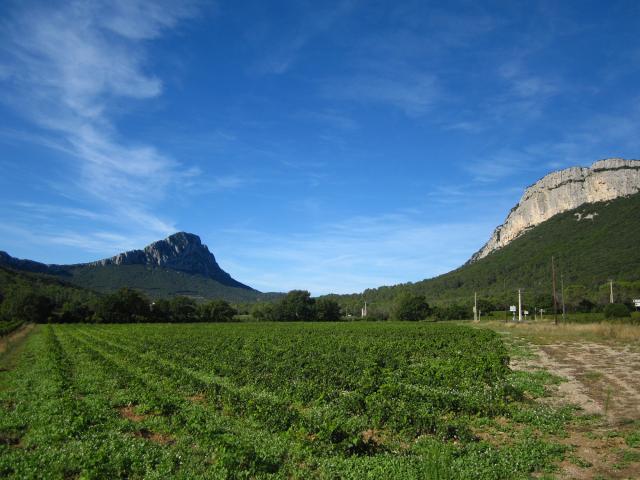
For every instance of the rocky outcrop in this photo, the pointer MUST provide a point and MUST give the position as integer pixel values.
(565, 190)
(181, 251)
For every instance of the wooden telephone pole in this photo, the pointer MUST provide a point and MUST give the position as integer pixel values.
(555, 298)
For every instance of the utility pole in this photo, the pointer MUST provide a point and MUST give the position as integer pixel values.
(555, 298)
(611, 291)
(475, 306)
(519, 305)
(504, 292)
(564, 317)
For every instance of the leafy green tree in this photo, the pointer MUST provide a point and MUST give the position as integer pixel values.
(75, 311)
(487, 305)
(124, 306)
(584, 306)
(216, 311)
(183, 309)
(327, 310)
(161, 310)
(27, 306)
(411, 307)
(264, 312)
(297, 305)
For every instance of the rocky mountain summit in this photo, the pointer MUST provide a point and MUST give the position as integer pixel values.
(181, 252)
(562, 191)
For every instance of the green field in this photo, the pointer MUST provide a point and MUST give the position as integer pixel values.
(365, 400)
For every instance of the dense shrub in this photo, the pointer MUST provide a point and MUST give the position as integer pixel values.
(452, 312)
(124, 306)
(616, 310)
(216, 311)
(411, 307)
(75, 312)
(327, 310)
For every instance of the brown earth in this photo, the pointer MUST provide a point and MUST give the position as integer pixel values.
(155, 437)
(603, 380)
(129, 413)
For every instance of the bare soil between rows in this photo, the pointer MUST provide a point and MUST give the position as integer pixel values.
(15, 337)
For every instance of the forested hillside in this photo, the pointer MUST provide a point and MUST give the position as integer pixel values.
(591, 245)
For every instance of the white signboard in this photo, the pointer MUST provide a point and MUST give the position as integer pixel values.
(636, 302)
(512, 308)
(526, 312)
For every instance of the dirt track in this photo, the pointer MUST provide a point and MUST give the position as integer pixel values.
(602, 379)
(15, 337)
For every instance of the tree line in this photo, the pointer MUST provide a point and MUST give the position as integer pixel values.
(25, 304)
(298, 305)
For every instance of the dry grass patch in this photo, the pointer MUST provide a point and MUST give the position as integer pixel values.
(545, 331)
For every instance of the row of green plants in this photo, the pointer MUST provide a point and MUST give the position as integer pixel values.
(262, 400)
(9, 326)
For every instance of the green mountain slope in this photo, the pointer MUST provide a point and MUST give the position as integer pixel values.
(159, 282)
(53, 287)
(177, 265)
(588, 253)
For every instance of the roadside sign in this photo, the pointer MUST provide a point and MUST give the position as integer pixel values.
(512, 308)
(636, 302)
(526, 312)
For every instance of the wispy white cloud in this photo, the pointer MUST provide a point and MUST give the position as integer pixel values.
(70, 65)
(525, 84)
(91, 243)
(46, 210)
(351, 255)
(314, 21)
(412, 92)
(500, 165)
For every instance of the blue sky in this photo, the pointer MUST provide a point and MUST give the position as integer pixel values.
(331, 146)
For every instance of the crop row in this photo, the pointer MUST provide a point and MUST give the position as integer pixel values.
(9, 326)
(285, 381)
(258, 401)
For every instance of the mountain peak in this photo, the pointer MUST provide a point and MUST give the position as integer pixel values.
(183, 237)
(180, 251)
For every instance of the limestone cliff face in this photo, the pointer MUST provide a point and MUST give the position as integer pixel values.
(565, 190)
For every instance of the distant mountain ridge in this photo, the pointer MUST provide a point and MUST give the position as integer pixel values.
(177, 265)
(181, 251)
(562, 191)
